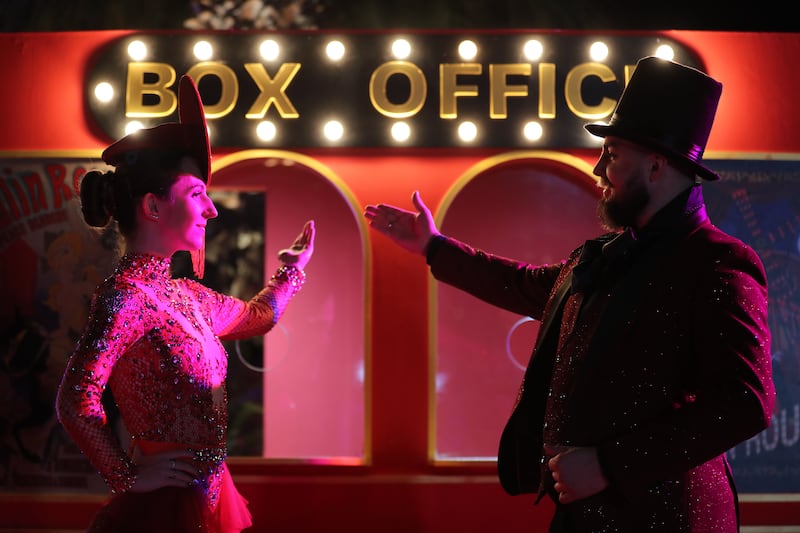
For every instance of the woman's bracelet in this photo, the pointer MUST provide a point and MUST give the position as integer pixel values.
(293, 275)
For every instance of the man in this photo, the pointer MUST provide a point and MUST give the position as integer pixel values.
(653, 355)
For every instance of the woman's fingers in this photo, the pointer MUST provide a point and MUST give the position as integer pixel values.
(166, 469)
(302, 247)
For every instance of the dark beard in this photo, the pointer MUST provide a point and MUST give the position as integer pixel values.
(620, 212)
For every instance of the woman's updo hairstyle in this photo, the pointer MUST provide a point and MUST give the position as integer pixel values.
(95, 198)
(116, 194)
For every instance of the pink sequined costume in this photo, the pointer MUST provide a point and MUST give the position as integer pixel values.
(156, 342)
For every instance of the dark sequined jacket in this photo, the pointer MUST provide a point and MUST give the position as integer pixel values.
(674, 369)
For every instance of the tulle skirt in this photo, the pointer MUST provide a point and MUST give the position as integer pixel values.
(174, 510)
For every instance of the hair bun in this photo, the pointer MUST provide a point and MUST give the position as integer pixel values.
(95, 195)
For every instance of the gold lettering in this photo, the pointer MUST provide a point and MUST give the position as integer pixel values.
(137, 88)
(572, 91)
(228, 82)
(151, 91)
(449, 89)
(547, 90)
(273, 90)
(500, 89)
(418, 91)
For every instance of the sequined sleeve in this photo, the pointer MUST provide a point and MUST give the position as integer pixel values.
(232, 318)
(114, 325)
(513, 285)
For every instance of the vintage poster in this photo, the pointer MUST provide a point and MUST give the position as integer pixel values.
(758, 202)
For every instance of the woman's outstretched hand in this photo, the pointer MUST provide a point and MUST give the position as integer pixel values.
(299, 254)
(412, 231)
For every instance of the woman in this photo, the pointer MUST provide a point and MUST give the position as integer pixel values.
(155, 340)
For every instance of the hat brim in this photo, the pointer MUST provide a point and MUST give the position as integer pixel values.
(606, 130)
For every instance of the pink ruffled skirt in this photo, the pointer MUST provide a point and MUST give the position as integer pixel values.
(174, 510)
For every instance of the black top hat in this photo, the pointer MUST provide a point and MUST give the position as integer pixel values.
(668, 107)
(189, 135)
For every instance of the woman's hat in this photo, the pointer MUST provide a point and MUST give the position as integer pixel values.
(188, 136)
(668, 107)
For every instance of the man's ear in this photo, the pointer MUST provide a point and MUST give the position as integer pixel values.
(658, 163)
(150, 206)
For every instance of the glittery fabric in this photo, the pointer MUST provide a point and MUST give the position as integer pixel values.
(155, 341)
(661, 363)
(601, 263)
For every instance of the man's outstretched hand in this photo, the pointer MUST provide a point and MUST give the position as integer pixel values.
(411, 230)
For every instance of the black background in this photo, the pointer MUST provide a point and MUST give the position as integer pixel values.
(765, 15)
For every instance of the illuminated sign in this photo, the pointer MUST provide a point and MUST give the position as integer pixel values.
(318, 89)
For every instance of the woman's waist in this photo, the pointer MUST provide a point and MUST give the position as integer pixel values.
(205, 453)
